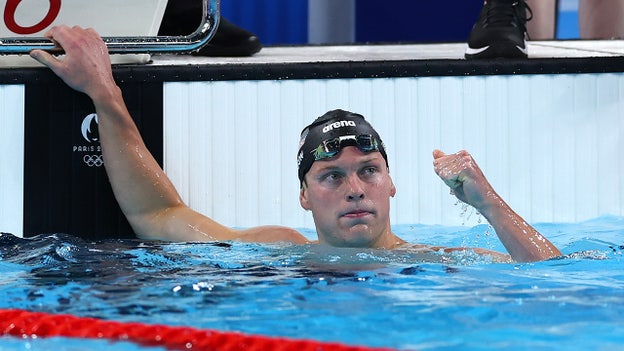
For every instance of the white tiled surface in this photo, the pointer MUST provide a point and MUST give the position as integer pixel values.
(576, 48)
(11, 158)
(550, 144)
(452, 51)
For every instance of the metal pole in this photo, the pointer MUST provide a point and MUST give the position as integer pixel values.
(331, 21)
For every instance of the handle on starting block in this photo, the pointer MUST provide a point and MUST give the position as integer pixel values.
(25, 21)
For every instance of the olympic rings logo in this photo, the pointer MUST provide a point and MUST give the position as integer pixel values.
(9, 17)
(93, 160)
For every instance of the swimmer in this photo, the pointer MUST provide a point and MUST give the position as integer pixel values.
(343, 172)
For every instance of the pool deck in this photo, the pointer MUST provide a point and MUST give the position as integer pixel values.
(403, 52)
(395, 60)
(347, 61)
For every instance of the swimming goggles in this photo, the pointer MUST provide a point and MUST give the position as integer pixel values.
(330, 148)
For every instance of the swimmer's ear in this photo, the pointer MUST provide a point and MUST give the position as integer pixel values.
(392, 188)
(303, 198)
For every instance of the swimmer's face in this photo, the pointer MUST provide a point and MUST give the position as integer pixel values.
(349, 196)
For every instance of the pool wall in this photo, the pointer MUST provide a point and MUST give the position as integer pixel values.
(547, 132)
(550, 144)
(11, 157)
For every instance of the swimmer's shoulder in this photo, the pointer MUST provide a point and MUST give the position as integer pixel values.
(272, 233)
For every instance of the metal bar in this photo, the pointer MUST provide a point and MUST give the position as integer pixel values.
(132, 44)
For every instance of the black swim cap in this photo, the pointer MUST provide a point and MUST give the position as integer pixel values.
(332, 125)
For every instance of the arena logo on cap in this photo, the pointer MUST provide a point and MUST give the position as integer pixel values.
(336, 125)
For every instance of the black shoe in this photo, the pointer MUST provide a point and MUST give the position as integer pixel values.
(229, 41)
(184, 17)
(500, 30)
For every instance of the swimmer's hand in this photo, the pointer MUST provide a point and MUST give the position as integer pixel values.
(86, 66)
(462, 174)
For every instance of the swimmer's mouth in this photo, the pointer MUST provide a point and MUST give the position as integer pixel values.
(356, 214)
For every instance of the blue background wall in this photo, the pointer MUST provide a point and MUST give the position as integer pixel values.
(274, 21)
(286, 21)
(419, 21)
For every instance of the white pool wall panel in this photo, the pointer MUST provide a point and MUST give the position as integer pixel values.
(550, 144)
(11, 158)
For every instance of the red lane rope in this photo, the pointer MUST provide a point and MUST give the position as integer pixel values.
(25, 324)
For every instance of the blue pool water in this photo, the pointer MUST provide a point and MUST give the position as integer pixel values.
(359, 297)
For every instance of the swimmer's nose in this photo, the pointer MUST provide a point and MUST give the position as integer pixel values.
(355, 191)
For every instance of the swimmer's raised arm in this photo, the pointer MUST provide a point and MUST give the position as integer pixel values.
(462, 174)
(145, 194)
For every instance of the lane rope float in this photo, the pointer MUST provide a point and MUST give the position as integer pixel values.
(26, 324)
